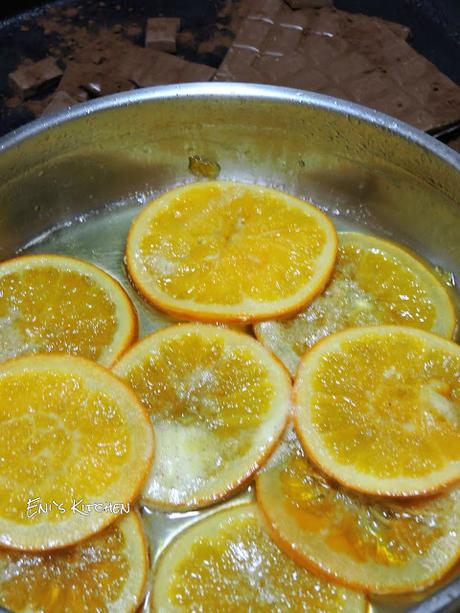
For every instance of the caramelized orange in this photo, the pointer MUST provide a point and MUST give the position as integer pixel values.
(374, 282)
(223, 251)
(227, 562)
(378, 409)
(71, 435)
(57, 304)
(105, 573)
(379, 545)
(219, 402)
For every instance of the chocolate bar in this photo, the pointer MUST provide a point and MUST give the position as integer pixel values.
(354, 57)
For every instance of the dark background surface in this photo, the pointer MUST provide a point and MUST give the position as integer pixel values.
(434, 24)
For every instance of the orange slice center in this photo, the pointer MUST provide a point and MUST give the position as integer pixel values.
(211, 244)
(195, 380)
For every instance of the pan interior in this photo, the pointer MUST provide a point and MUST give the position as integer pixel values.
(74, 187)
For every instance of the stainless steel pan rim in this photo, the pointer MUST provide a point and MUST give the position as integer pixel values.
(235, 91)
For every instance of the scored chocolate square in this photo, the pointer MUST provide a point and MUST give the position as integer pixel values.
(147, 67)
(27, 80)
(356, 57)
(161, 32)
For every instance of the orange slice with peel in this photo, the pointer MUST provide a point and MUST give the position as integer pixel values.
(227, 562)
(378, 545)
(107, 572)
(57, 304)
(219, 402)
(72, 436)
(374, 282)
(378, 409)
(224, 251)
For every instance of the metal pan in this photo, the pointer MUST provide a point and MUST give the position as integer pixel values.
(71, 183)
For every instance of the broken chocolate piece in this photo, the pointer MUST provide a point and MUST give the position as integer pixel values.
(192, 71)
(94, 80)
(161, 32)
(105, 86)
(60, 101)
(27, 80)
(147, 67)
(75, 76)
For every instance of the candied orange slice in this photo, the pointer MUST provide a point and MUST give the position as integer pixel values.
(219, 403)
(223, 251)
(52, 303)
(104, 573)
(374, 282)
(227, 562)
(378, 409)
(379, 545)
(74, 440)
